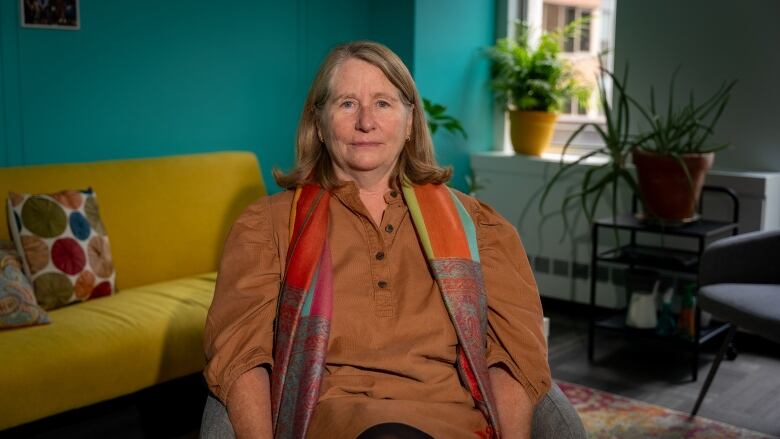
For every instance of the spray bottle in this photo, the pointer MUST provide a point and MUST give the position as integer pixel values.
(666, 324)
(686, 323)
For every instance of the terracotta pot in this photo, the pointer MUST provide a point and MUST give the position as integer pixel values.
(531, 131)
(666, 192)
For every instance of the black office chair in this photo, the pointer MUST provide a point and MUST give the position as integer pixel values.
(739, 283)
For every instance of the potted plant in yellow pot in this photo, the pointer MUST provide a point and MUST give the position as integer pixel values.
(672, 155)
(531, 83)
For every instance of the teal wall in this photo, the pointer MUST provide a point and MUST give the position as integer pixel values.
(153, 78)
(150, 78)
(450, 69)
(9, 78)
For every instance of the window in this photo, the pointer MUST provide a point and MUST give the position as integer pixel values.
(582, 50)
(557, 16)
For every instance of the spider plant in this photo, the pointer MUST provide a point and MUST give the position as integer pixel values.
(618, 143)
(683, 130)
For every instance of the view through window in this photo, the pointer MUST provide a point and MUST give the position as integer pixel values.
(596, 37)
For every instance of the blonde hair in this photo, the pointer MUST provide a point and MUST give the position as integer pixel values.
(312, 160)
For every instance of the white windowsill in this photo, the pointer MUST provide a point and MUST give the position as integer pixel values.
(552, 156)
(759, 192)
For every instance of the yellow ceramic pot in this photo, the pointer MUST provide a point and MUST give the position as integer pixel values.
(531, 131)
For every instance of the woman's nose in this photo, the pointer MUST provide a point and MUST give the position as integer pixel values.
(365, 120)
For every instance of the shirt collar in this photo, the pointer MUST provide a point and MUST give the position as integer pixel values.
(349, 194)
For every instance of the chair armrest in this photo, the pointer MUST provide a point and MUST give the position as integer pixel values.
(555, 416)
(746, 258)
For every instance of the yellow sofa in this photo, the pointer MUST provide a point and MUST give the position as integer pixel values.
(166, 220)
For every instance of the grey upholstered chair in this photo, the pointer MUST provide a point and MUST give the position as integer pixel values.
(739, 283)
(554, 418)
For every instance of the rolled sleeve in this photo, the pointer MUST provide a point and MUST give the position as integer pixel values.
(239, 326)
(515, 336)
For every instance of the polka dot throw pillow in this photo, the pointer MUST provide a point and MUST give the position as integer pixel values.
(63, 244)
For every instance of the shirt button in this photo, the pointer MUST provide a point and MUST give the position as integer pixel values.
(389, 228)
(382, 284)
(379, 256)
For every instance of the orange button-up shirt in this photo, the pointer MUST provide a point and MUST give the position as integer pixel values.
(392, 347)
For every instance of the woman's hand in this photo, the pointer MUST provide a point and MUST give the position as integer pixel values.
(249, 405)
(515, 411)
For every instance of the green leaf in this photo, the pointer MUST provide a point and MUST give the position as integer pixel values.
(436, 117)
(534, 78)
(682, 129)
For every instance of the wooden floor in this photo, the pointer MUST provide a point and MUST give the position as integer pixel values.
(745, 392)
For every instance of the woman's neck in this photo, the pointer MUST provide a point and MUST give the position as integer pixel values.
(375, 203)
(372, 194)
(371, 189)
(368, 183)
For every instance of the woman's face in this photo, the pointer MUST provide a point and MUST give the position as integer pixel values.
(365, 124)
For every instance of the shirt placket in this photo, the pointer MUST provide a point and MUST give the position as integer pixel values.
(381, 256)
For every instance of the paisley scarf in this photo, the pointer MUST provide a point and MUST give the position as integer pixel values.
(448, 238)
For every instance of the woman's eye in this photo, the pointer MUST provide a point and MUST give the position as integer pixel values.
(383, 104)
(347, 104)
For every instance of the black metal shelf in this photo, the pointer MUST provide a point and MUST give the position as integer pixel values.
(702, 228)
(661, 258)
(652, 257)
(617, 323)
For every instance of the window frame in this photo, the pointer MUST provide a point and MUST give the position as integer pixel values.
(507, 11)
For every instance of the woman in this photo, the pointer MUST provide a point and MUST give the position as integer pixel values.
(369, 299)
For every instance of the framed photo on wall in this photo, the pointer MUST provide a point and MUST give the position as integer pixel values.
(50, 14)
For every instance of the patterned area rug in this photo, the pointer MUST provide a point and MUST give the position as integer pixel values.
(607, 415)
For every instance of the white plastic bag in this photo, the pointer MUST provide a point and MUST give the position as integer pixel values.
(641, 309)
